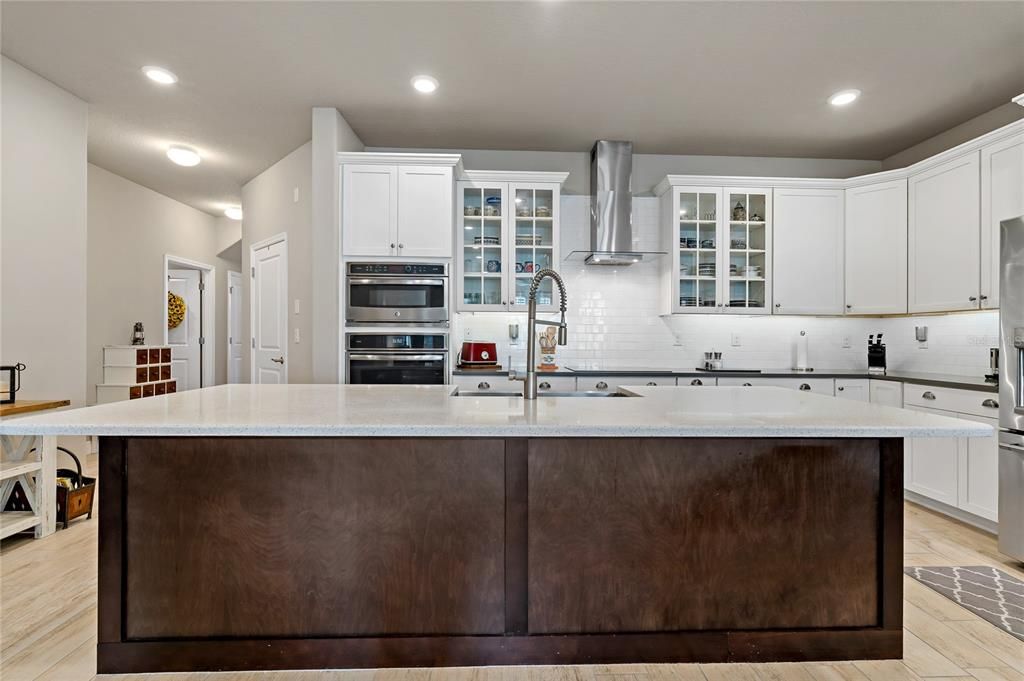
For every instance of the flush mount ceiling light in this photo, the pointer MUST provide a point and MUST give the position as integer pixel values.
(183, 156)
(844, 97)
(158, 74)
(233, 212)
(424, 84)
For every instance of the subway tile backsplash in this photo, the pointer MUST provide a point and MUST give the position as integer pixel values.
(614, 321)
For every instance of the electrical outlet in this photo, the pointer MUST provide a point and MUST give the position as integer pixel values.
(295, 195)
(736, 340)
(296, 306)
(846, 341)
(922, 345)
(295, 333)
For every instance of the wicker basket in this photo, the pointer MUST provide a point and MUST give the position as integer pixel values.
(72, 502)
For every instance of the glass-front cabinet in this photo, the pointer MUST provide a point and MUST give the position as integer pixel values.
(719, 245)
(508, 230)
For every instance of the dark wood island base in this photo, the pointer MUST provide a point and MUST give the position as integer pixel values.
(266, 553)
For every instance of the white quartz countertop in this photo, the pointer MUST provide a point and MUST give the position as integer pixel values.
(432, 411)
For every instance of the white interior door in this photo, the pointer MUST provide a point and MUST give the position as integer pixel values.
(235, 333)
(186, 362)
(270, 314)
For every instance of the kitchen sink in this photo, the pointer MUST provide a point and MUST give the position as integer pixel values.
(581, 393)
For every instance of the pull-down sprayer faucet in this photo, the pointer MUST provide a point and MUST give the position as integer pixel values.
(530, 379)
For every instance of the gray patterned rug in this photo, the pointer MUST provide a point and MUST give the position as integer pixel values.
(987, 592)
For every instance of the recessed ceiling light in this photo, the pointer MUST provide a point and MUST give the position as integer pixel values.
(424, 84)
(233, 212)
(160, 75)
(183, 156)
(844, 97)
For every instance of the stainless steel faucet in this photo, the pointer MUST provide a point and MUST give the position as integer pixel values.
(530, 379)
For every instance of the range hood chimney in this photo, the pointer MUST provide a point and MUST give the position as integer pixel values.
(611, 205)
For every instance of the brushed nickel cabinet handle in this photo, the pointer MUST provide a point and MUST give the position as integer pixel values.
(601, 385)
(279, 360)
(973, 299)
(544, 385)
(392, 245)
(928, 395)
(984, 297)
(841, 388)
(696, 381)
(483, 385)
(651, 383)
(990, 403)
(805, 387)
(849, 307)
(748, 385)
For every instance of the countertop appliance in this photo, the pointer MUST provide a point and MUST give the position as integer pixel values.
(478, 353)
(1011, 388)
(876, 355)
(396, 293)
(397, 358)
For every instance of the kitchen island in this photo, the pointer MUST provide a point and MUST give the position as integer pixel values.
(282, 527)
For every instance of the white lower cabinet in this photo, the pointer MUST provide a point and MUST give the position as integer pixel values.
(931, 465)
(818, 386)
(886, 393)
(960, 472)
(978, 473)
(853, 389)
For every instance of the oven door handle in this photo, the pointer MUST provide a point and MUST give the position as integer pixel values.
(396, 356)
(398, 282)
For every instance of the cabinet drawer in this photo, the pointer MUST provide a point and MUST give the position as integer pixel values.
(820, 386)
(487, 382)
(974, 402)
(697, 380)
(609, 383)
(555, 384)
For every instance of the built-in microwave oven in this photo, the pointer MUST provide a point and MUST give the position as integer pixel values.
(396, 293)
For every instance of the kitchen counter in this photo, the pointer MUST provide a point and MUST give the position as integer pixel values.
(933, 379)
(404, 526)
(433, 411)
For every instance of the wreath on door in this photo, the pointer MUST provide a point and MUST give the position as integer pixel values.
(175, 310)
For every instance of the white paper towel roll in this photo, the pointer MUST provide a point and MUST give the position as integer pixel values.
(801, 351)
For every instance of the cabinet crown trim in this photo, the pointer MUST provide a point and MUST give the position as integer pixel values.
(999, 134)
(401, 159)
(513, 176)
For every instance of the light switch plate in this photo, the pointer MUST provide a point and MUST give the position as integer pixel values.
(296, 306)
(846, 341)
(735, 340)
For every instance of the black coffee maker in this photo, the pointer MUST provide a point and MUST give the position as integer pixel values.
(876, 355)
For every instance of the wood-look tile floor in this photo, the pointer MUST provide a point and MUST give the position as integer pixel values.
(48, 625)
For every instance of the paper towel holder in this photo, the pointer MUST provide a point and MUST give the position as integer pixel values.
(799, 369)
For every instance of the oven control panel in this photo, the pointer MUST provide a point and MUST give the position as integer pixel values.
(397, 268)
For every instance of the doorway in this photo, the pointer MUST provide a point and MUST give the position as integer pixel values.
(190, 329)
(268, 310)
(235, 334)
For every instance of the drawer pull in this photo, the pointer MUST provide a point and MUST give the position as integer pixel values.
(990, 403)
(544, 385)
(747, 385)
(651, 383)
(841, 388)
(601, 385)
(928, 395)
(483, 385)
(696, 381)
(973, 299)
(805, 387)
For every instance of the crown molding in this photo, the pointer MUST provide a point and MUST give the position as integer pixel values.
(512, 176)
(998, 135)
(402, 159)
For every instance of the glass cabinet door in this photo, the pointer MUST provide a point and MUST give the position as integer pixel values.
(697, 265)
(482, 215)
(534, 242)
(747, 258)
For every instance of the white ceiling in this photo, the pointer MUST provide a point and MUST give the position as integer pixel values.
(728, 78)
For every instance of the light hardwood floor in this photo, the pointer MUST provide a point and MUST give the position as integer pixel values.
(48, 626)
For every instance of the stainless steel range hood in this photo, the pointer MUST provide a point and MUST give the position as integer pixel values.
(611, 206)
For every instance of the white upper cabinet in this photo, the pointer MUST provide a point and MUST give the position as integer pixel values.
(425, 211)
(945, 236)
(808, 251)
(1002, 197)
(719, 249)
(397, 205)
(876, 248)
(369, 222)
(508, 230)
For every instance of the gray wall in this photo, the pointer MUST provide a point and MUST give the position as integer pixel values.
(43, 238)
(131, 229)
(968, 130)
(269, 209)
(649, 169)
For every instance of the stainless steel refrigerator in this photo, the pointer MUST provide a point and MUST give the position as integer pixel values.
(1011, 388)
